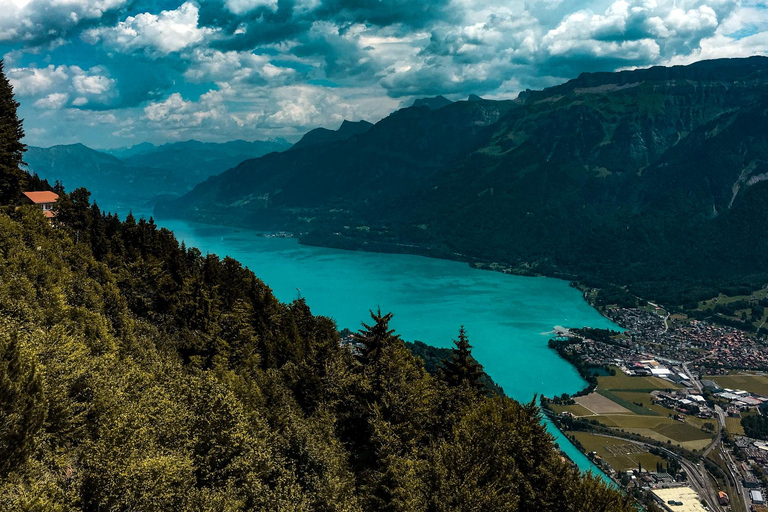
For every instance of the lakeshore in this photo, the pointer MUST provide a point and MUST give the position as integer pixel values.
(509, 317)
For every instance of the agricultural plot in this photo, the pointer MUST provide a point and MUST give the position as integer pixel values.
(634, 401)
(598, 404)
(626, 421)
(629, 383)
(752, 383)
(689, 438)
(624, 403)
(682, 432)
(577, 410)
(621, 455)
(734, 426)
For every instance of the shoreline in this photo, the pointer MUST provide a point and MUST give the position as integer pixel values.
(524, 269)
(474, 264)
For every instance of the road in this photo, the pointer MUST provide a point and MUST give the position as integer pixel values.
(693, 379)
(733, 469)
(666, 318)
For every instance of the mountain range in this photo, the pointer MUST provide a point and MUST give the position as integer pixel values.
(652, 178)
(145, 171)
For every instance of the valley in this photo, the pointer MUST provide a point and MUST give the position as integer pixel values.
(524, 199)
(648, 179)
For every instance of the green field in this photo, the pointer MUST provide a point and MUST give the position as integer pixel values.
(576, 410)
(632, 420)
(752, 383)
(660, 428)
(620, 381)
(710, 304)
(682, 432)
(734, 426)
(621, 455)
(724, 299)
(690, 444)
(630, 399)
(643, 417)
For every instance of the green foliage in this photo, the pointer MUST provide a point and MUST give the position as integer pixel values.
(755, 426)
(374, 338)
(22, 404)
(462, 369)
(435, 357)
(11, 147)
(138, 374)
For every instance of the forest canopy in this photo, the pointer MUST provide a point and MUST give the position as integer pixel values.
(139, 374)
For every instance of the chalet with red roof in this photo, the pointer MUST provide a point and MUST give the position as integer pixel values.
(45, 199)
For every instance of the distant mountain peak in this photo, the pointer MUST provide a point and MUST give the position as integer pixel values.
(474, 98)
(432, 103)
(346, 125)
(347, 130)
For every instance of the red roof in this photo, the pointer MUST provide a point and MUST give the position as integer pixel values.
(49, 214)
(42, 197)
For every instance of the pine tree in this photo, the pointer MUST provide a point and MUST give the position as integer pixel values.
(22, 405)
(12, 178)
(375, 337)
(462, 368)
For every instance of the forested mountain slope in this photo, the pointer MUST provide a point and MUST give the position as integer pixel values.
(138, 374)
(638, 178)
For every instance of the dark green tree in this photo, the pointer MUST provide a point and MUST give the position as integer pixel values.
(22, 405)
(12, 178)
(462, 368)
(376, 336)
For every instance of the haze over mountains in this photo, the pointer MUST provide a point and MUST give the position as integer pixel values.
(654, 178)
(144, 171)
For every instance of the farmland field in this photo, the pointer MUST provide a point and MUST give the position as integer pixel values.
(630, 400)
(599, 404)
(621, 455)
(752, 383)
(576, 410)
(626, 382)
(734, 426)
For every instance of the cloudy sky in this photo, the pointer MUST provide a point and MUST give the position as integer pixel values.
(113, 73)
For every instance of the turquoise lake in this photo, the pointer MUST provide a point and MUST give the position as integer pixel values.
(508, 318)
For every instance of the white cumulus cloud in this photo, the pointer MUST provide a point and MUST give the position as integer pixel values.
(156, 34)
(53, 101)
(32, 81)
(37, 21)
(244, 6)
(51, 83)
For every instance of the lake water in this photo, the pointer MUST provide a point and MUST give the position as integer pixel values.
(508, 318)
